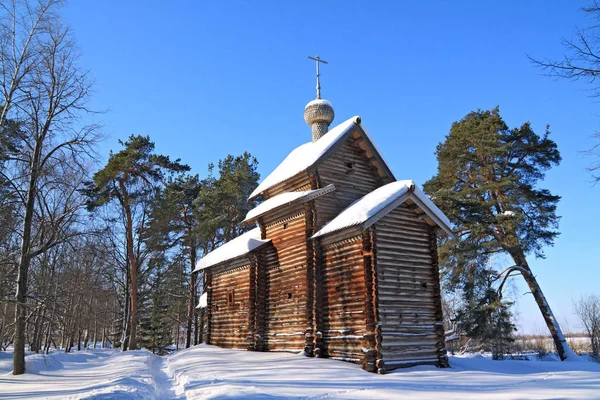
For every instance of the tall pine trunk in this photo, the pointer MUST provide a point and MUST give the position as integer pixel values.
(192, 296)
(132, 267)
(562, 347)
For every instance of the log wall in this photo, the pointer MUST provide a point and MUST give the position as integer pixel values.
(349, 169)
(287, 305)
(408, 283)
(342, 288)
(229, 298)
(298, 182)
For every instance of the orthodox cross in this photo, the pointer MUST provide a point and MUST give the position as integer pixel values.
(317, 61)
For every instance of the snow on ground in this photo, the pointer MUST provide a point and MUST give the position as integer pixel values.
(208, 372)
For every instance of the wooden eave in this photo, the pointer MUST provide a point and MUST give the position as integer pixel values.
(361, 138)
(340, 235)
(319, 192)
(429, 216)
(235, 260)
(364, 142)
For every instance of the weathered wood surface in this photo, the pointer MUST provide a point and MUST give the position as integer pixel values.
(367, 296)
(343, 308)
(353, 175)
(300, 181)
(287, 287)
(230, 307)
(408, 284)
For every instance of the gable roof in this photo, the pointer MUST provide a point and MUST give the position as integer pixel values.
(237, 247)
(373, 206)
(285, 199)
(309, 154)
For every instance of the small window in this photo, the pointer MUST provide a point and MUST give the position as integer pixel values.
(230, 298)
(424, 284)
(289, 295)
(349, 165)
(285, 225)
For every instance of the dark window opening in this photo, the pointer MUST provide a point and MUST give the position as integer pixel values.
(285, 225)
(349, 165)
(424, 284)
(289, 295)
(337, 288)
(230, 298)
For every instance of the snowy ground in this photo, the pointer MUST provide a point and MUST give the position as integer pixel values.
(207, 372)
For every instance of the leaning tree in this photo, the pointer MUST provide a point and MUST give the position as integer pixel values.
(487, 185)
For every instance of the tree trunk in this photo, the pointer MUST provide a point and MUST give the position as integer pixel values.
(2, 325)
(562, 347)
(132, 267)
(196, 333)
(125, 323)
(192, 296)
(201, 328)
(86, 338)
(25, 262)
(20, 307)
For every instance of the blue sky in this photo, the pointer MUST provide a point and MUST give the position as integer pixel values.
(205, 79)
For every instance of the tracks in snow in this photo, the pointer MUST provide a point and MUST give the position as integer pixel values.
(164, 385)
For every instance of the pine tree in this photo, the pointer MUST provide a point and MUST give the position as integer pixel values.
(487, 185)
(129, 175)
(485, 317)
(155, 327)
(222, 204)
(173, 223)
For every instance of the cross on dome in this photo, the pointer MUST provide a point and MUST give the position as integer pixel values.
(318, 113)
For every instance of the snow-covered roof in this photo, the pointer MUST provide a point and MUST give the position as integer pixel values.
(304, 156)
(371, 204)
(203, 300)
(284, 199)
(239, 246)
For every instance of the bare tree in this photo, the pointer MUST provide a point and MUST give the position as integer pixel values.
(45, 92)
(587, 309)
(23, 24)
(580, 62)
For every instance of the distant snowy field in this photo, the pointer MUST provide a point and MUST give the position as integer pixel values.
(208, 372)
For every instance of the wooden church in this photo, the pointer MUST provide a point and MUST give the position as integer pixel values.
(342, 262)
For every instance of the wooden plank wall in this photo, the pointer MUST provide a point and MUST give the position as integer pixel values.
(267, 260)
(228, 325)
(407, 284)
(343, 303)
(349, 169)
(287, 299)
(298, 182)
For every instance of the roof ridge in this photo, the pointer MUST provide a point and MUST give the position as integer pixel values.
(304, 156)
(380, 202)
